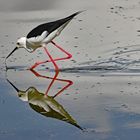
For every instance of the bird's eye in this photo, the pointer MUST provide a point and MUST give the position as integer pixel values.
(18, 43)
(19, 95)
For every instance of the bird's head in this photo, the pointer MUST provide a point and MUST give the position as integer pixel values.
(23, 96)
(21, 43)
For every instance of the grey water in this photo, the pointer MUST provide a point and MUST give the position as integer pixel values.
(103, 101)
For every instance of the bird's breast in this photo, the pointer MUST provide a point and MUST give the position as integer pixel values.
(32, 45)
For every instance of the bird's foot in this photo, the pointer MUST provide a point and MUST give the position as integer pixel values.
(34, 66)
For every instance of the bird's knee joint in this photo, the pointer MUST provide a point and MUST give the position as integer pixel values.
(69, 56)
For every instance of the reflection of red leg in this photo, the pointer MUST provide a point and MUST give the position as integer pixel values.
(56, 70)
(63, 80)
(65, 87)
(37, 63)
(56, 59)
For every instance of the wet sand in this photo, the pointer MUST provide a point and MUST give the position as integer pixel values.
(104, 97)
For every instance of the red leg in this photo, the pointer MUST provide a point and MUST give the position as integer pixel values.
(56, 59)
(63, 80)
(60, 48)
(56, 70)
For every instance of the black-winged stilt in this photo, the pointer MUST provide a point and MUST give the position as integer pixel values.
(42, 35)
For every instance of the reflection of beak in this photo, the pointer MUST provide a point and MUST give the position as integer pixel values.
(12, 52)
(13, 86)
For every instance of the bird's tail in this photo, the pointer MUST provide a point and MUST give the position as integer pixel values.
(75, 14)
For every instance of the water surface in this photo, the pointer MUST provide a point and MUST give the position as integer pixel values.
(103, 101)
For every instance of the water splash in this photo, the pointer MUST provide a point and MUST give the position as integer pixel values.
(121, 60)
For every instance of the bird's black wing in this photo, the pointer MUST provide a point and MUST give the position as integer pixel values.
(50, 27)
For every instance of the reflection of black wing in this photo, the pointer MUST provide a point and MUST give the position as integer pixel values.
(53, 114)
(49, 27)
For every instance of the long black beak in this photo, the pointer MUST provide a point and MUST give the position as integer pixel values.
(13, 86)
(12, 52)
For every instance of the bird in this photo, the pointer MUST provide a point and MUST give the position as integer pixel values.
(43, 34)
(45, 105)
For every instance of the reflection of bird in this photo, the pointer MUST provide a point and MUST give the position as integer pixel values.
(42, 35)
(69, 82)
(45, 105)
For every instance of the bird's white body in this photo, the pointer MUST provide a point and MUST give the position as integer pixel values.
(31, 44)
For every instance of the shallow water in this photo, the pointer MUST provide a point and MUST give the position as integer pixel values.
(105, 107)
(103, 101)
